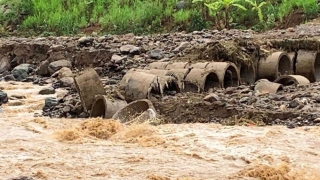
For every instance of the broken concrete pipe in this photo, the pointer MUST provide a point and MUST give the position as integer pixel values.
(227, 73)
(288, 80)
(265, 86)
(141, 85)
(201, 80)
(179, 75)
(157, 65)
(88, 85)
(106, 108)
(177, 65)
(133, 110)
(278, 63)
(247, 74)
(308, 65)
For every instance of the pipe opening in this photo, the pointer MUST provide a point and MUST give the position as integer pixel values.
(230, 77)
(294, 61)
(317, 67)
(247, 74)
(98, 109)
(286, 81)
(168, 88)
(212, 81)
(284, 65)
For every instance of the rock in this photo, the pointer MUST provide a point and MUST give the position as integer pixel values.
(293, 104)
(65, 72)
(57, 65)
(47, 90)
(317, 120)
(127, 48)
(66, 109)
(156, 54)
(9, 78)
(135, 51)
(212, 97)
(15, 103)
(66, 82)
(181, 47)
(18, 96)
(21, 178)
(244, 100)
(50, 102)
(118, 59)
(43, 68)
(85, 40)
(4, 64)
(21, 72)
(3, 98)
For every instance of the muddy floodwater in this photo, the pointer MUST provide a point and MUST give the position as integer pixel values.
(44, 148)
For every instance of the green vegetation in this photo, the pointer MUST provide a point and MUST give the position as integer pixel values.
(67, 17)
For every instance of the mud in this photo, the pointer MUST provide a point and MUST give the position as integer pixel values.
(30, 147)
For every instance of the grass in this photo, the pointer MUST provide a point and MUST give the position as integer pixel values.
(68, 17)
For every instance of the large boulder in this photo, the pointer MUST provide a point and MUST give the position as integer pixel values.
(57, 65)
(21, 72)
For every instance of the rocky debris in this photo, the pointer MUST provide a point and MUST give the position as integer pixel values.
(47, 90)
(113, 55)
(69, 106)
(3, 98)
(57, 65)
(292, 107)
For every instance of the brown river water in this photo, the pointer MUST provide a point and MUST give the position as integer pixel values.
(44, 148)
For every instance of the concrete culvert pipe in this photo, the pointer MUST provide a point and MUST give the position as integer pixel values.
(288, 80)
(106, 108)
(227, 73)
(141, 85)
(200, 65)
(278, 63)
(157, 65)
(201, 80)
(265, 86)
(308, 65)
(177, 65)
(89, 85)
(247, 74)
(133, 110)
(179, 75)
(126, 77)
(158, 72)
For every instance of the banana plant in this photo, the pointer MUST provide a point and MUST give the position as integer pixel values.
(257, 7)
(224, 6)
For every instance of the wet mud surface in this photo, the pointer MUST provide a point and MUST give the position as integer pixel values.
(38, 147)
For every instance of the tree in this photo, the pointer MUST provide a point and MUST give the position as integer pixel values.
(220, 8)
(256, 7)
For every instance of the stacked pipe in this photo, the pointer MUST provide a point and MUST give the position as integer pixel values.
(275, 71)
